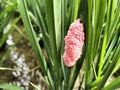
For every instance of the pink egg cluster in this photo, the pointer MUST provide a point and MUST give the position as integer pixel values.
(73, 43)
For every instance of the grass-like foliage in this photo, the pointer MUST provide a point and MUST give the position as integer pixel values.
(101, 51)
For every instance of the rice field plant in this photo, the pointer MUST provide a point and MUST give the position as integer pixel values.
(81, 39)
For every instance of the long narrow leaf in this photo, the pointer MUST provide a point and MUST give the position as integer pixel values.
(31, 34)
(9, 87)
(115, 84)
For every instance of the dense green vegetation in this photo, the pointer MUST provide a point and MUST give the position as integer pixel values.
(48, 21)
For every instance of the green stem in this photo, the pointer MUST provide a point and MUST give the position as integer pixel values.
(111, 67)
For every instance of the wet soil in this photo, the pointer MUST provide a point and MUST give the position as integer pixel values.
(23, 48)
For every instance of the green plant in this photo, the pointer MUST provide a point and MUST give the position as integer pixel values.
(8, 18)
(101, 19)
(9, 87)
(7, 12)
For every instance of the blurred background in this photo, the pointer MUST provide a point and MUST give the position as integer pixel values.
(15, 50)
